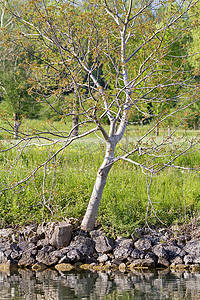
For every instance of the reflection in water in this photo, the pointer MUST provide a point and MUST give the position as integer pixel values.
(54, 285)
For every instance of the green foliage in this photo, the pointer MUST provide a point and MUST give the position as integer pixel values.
(174, 193)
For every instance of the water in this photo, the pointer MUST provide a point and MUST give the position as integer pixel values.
(54, 285)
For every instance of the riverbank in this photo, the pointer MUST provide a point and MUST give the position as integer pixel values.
(64, 246)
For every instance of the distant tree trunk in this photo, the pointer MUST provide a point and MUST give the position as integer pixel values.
(93, 206)
(17, 123)
(75, 118)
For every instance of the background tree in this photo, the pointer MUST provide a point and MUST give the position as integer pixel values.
(14, 76)
(126, 51)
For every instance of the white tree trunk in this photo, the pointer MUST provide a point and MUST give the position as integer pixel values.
(93, 206)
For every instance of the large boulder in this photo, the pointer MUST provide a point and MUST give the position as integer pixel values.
(61, 235)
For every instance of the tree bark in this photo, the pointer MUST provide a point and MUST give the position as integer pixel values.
(17, 123)
(75, 118)
(93, 206)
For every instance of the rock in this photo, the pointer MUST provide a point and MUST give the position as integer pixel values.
(61, 236)
(193, 247)
(41, 231)
(61, 252)
(197, 260)
(163, 262)
(142, 263)
(15, 255)
(102, 258)
(26, 246)
(100, 268)
(174, 251)
(74, 255)
(151, 255)
(6, 232)
(42, 243)
(3, 258)
(27, 260)
(47, 256)
(103, 244)
(159, 251)
(80, 249)
(188, 259)
(136, 254)
(123, 249)
(8, 266)
(177, 260)
(64, 267)
(143, 244)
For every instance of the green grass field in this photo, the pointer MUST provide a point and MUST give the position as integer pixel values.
(174, 192)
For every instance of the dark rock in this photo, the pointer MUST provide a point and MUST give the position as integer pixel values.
(80, 249)
(34, 239)
(15, 255)
(27, 260)
(103, 244)
(46, 230)
(61, 255)
(61, 235)
(46, 256)
(174, 251)
(74, 255)
(136, 254)
(90, 260)
(123, 249)
(143, 244)
(151, 255)
(163, 262)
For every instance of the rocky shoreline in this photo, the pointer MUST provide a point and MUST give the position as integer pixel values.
(64, 246)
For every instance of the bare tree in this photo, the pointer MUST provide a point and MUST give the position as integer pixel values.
(133, 45)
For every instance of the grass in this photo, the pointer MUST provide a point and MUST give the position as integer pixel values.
(174, 192)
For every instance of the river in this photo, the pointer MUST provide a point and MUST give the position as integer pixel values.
(54, 285)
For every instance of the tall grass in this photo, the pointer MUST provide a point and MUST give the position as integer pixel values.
(174, 193)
